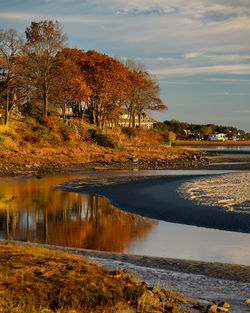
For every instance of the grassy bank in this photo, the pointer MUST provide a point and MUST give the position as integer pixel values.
(39, 280)
(29, 145)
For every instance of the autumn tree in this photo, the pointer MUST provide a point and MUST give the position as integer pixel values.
(108, 81)
(10, 47)
(144, 92)
(43, 42)
(72, 89)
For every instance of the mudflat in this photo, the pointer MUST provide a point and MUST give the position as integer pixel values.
(157, 197)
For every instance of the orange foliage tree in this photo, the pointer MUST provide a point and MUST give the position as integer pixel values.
(89, 81)
(108, 81)
(144, 92)
(72, 87)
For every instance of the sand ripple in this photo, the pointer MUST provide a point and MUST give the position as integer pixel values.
(230, 191)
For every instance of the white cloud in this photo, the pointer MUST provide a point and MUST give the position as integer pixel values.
(192, 55)
(244, 111)
(19, 16)
(228, 93)
(230, 80)
(242, 69)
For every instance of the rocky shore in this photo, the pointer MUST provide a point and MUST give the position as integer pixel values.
(8, 166)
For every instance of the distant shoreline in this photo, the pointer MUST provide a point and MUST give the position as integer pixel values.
(212, 143)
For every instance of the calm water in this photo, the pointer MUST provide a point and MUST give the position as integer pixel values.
(230, 149)
(32, 210)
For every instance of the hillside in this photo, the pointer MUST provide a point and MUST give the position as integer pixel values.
(31, 146)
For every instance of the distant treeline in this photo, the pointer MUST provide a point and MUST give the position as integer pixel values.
(40, 73)
(184, 129)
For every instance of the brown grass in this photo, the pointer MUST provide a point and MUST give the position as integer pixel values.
(27, 143)
(43, 281)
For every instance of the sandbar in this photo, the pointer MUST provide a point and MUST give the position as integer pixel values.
(157, 197)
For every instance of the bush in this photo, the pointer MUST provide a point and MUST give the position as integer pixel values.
(130, 132)
(101, 139)
(169, 137)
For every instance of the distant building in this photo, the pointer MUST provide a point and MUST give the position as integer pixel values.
(217, 137)
(68, 112)
(144, 120)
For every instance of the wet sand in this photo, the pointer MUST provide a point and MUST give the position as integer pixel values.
(157, 197)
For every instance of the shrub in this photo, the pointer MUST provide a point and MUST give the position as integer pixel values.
(105, 140)
(51, 122)
(169, 137)
(130, 132)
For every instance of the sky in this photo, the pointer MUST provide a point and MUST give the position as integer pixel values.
(199, 50)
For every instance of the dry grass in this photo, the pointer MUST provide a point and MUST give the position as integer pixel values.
(35, 280)
(39, 280)
(27, 143)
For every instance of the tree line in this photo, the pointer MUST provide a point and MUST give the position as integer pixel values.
(40, 73)
(201, 131)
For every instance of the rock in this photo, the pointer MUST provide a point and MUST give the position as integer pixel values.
(221, 309)
(224, 305)
(149, 303)
(247, 301)
(212, 308)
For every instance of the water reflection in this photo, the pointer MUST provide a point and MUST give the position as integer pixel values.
(31, 210)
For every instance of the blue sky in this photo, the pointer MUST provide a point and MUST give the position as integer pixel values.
(198, 49)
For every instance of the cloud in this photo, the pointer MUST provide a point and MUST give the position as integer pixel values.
(230, 80)
(192, 55)
(242, 69)
(244, 111)
(19, 16)
(227, 93)
(63, 19)
(148, 11)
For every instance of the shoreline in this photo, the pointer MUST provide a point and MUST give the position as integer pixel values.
(218, 270)
(159, 193)
(198, 160)
(226, 271)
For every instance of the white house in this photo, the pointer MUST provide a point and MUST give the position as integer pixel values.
(143, 121)
(217, 137)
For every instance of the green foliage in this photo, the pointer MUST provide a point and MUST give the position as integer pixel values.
(203, 130)
(130, 132)
(101, 139)
(166, 138)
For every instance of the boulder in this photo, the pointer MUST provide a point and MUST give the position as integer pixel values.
(212, 308)
(224, 305)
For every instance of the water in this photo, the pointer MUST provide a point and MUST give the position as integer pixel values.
(31, 209)
(225, 149)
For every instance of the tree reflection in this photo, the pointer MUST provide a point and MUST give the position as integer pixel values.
(32, 210)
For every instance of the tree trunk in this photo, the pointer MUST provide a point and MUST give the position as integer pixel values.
(64, 111)
(45, 104)
(7, 107)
